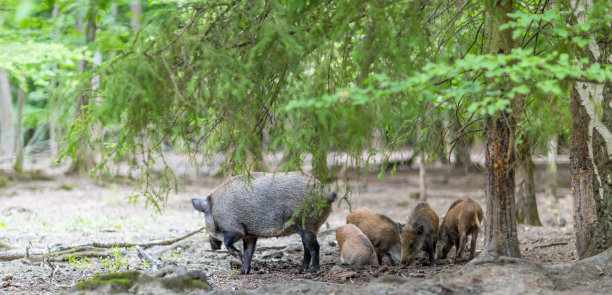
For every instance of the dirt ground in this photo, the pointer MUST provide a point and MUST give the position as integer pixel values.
(43, 214)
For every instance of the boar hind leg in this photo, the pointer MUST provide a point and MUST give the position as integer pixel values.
(229, 238)
(460, 247)
(311, 252)
(473, 243)
(249, 248)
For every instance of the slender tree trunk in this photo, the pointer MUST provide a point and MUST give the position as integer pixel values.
(526, 206)
(591, 151)
(551, 168)
(500, 227)
(7, 127)
(83, 159)
(18, 166)
(136, 10)
(422, 171)
(52, 116)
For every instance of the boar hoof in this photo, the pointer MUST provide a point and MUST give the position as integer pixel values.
(313, 270)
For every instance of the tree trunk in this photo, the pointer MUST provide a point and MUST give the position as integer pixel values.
(136, 10)
(53, 134)
(591, 151)
(462, 154)
(526, 206)
(83, 160)
(551, 168)
(18, 166)
(7, 131)
(500, 227)
(422, 171)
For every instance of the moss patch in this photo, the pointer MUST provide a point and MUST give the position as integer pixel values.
(3, 181)
(118, 282)
(183, 282)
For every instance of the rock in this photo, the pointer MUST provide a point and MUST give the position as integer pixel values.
(170, 280)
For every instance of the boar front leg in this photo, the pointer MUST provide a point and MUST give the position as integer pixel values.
(229, 238)
(249, 248)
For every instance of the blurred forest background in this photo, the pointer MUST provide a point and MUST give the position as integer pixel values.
(321, 86)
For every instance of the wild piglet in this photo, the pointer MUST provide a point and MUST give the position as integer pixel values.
(420, 233)
(355, 248)
(383, 233)
(462, 219)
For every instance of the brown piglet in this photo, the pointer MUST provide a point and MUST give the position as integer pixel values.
(355, 248)
(462, 219)
(383, 233)
(420, 233)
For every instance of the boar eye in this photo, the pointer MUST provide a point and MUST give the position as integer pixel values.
(411, 244)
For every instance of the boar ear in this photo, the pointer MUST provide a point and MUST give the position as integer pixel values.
(200, 205)
(419, 228)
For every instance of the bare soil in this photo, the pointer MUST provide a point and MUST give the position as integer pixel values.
(42, 214)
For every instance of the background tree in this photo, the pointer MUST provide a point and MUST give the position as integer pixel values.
(591, 138)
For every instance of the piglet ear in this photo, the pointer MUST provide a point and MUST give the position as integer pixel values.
(200, 205)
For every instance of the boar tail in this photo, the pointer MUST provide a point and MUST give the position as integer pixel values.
(331, 198)
(476, 220)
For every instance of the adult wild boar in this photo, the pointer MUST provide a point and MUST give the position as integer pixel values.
(261, 206)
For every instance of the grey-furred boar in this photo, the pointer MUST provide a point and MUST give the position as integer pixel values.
(262, 206)
(383, 233)
(462, 219)
(355, 248)
(420, 233)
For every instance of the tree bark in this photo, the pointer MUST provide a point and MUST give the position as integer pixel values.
(591, 151)
(7, 131)
(551, 168)
(500, 228)
(526, 205)
(18, 165)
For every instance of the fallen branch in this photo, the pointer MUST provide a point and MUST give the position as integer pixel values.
(127, 245)
(93, 249)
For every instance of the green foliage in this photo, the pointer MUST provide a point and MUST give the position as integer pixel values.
(116, 261)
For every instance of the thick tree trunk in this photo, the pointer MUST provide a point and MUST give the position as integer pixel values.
(7, 127)
(526, 206)
(500, 227)
(591, 152)
(551, 168)
(18, 165)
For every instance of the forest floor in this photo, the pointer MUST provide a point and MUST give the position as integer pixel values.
(60, 211)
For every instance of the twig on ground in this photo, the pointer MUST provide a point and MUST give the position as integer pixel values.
(146, 256)
(550, 245)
